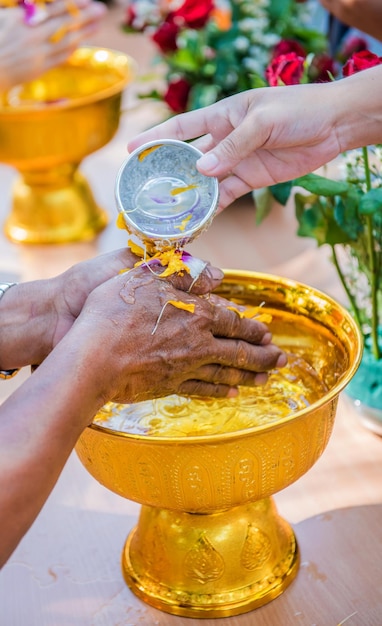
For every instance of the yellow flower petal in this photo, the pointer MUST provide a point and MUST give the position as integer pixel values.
(121, 222)
(182, 305)
(252, 312)
(184, 223)
(178, 190)
(59, 34)
(148, 151)
(135, 248)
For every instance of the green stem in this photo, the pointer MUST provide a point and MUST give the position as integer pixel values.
(349, 294)
(373, 265)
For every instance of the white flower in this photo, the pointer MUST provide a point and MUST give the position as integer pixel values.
(241, 44)
(230, 79)
(247, 25)
(255, 66)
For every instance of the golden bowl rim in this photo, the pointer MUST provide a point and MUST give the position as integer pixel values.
(248, 432)
(81, 101)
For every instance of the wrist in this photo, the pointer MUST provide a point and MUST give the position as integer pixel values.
(359, 118)
(89, 367)
(25, 320)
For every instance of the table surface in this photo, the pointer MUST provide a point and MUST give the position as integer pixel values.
(66, 570)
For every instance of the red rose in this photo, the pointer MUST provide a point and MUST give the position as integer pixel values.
(288, 45)
(130, 15)
(194, 13)
(286, 69)
(165, 36)
(321, 69)
(133, 19)
(360, 61)
(176, 95)
(351, 45)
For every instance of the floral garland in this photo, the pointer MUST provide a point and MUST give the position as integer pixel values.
(216, 48)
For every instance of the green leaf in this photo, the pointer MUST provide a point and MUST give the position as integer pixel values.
(320, 185)
(317, 223)
(264, 201)
(281, 191)
(346, 214)
(278, 8)
(184, 61)
(202, 96)
(256, 81)
(371, 202)
(336, 235)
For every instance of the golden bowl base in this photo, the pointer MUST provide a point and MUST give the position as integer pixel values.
(210, 565)
(56, 212)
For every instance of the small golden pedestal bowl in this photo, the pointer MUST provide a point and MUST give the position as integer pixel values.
(209, 542)
(47, 126)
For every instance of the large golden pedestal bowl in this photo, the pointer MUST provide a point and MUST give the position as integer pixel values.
(47, 127)
(209, 541)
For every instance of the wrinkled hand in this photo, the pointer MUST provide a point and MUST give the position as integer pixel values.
(258, 137)
(38, 314)
(26, 51)
(70, 289)
(143, 348)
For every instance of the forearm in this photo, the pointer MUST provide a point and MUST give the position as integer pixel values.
(361, 14)
(35, 315)
(358, 105)
(26, 312)
(39, 425)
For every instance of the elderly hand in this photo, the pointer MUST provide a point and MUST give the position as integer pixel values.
(140, 346)
(124, 341)
(36, 315)
(28, 50)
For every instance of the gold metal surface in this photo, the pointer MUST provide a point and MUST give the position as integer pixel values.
(47, 127)
(209, 541)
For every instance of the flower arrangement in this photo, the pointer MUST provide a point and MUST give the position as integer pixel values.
(346, 215)
(216, 48)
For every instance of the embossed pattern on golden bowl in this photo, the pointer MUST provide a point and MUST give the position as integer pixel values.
(240, 553)
(214, 473)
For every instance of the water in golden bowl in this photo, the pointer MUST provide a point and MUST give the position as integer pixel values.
(47, 127)
(209, 541)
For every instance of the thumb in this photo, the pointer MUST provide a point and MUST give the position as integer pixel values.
(229, 152)
(202, 279)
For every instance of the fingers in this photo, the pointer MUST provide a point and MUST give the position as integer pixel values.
(228, 323)
(216, 381)
(230, 151)
(244, 343)
(231, 188)
(244, 355)
(60, 7)
(208, 390)
(230, 377)
(184, 126)
(67, 29)
(203, 277)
